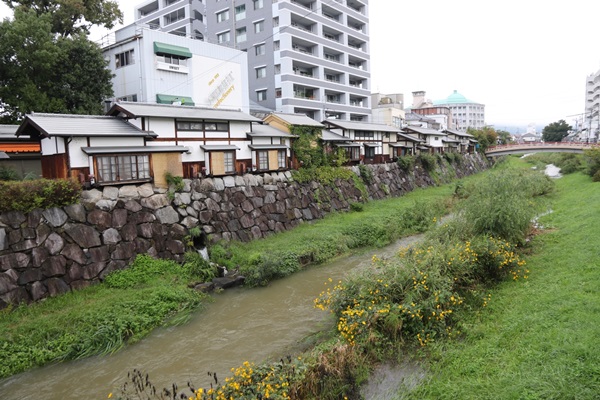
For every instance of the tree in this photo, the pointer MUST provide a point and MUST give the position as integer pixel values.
(44, 73)
(485, 136)
(71, 17)
(504, 137)
(556, 131)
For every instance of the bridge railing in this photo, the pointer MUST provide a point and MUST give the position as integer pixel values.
(578, 145)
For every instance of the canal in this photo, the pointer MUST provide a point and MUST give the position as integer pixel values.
(241, 324)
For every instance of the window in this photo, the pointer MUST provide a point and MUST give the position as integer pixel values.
(259, 26)
(281, 159)
(276, 22)
(169, 2)
(223, 37)
(276, 45)
(369, 152)
(228, 157)
(203, 126)
(261, 72)
(263, 160)
(175, 16)
(240, 34)
(277, 69)
(189, 126)
(353, 153)
(222, 162)
(171, 59)
(258, 4)
(259, 49)
(277, 93)
(363, 135)
(124, 59)
(131, 97)
(123, 168)
(240, 12)
(216, 126)
(223, 16)
(261, 95)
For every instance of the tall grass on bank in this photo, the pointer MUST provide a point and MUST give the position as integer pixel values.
(538, 340)
(96, 320)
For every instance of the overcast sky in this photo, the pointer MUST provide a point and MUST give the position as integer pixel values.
(526, 60)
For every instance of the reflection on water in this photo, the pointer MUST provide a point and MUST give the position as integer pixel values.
(240, 325)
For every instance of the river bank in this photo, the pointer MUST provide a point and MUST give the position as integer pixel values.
(536, 339)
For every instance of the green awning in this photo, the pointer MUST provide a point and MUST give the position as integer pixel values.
(163, 48)
(168, 99)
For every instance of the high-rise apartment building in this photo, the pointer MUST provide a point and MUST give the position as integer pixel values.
(304, 56)
(592, 108)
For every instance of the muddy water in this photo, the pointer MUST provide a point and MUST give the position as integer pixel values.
(240, 325)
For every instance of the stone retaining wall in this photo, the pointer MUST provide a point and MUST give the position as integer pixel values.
(49, 252)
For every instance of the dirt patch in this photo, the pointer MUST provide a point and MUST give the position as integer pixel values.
(389, 381)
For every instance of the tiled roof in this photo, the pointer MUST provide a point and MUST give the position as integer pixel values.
(78, 125)
(134, 110)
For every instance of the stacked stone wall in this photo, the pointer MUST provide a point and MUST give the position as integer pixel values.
(48, 252)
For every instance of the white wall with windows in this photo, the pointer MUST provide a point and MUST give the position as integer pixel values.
(208, 74)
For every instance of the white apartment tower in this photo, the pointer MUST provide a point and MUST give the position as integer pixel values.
(304, 56)
(592, 107)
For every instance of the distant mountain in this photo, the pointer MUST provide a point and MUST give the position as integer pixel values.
(520, 129)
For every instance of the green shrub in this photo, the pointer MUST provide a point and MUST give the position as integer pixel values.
(8, 174)
(197, 268)
(357, 207)
(428, 161)
(592, 160)
(366, 174)
(263, 268)
(143, 270)
(324, 175)
(40, 193)
(453, 158)
(502, 205)
(420, 216)
(406, 163)
(174, 182)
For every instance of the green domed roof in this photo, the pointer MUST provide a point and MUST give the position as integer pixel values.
(454, 98)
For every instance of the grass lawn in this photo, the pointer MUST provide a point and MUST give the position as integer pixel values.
(539, 338)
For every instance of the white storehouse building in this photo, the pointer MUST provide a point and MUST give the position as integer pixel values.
(151, 66)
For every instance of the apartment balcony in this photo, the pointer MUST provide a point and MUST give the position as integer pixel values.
(303, 49)
(305, 92)
(147, 9)
(334, 97)
(332, 34)
(305, 28)
(357, 63)
(356, 101)
(331, 13)
(333, 76)
(356, 6)
(308, 4)
(355, 24)
(306, 70)
(303, 46)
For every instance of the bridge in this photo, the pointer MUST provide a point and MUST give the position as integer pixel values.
(538, 147)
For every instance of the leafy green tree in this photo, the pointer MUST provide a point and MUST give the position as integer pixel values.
(71, 17)
(485, 136)
(43, 72)
(504, 137)
(306, 146)
(556, 131)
